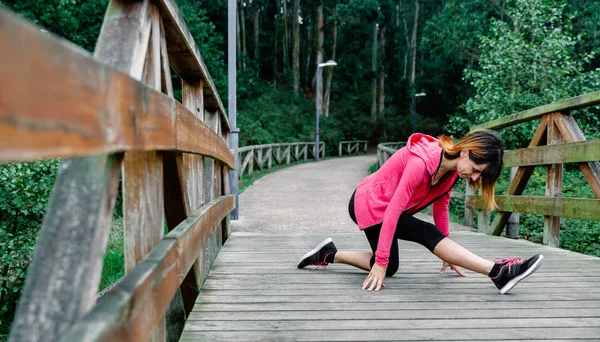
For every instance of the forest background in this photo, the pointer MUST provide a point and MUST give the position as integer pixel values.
(475, 60)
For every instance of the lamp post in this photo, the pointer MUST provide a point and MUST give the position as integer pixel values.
(330, 63)
(414, 111)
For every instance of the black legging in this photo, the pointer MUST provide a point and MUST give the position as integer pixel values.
(408, 228)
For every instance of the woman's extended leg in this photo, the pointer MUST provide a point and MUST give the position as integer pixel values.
(455, 254)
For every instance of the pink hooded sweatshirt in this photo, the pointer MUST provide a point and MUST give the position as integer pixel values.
(402, 184)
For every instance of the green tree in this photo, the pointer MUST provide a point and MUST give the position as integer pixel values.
(527, 61)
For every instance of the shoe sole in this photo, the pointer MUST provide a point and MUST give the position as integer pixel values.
(319, 246)
(517, 279)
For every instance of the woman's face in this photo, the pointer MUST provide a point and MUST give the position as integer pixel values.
(467, 168)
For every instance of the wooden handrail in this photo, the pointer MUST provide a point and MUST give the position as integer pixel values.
(563, 106)
(258, 155)
(352, 147)
(385, 150)
(119, 115)
(111, 112)
(557, 140)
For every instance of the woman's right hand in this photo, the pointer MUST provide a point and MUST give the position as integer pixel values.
(375, 278)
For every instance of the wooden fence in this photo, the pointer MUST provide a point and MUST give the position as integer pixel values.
(385, 151)
(262, 156)
(352, 147)
(556, 141)
(113, 119)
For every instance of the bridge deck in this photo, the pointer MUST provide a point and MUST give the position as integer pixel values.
(255, 293)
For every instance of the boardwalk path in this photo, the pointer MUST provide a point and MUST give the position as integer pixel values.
(255, 293)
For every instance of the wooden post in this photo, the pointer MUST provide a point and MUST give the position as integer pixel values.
(251, 166)
(469, 212)
(80, 209)
(143, 220)
(270, 157)
(553, 189)
(340, 149)
(512, 227)
(483, 220)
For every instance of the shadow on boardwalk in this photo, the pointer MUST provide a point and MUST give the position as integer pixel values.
(256, 293)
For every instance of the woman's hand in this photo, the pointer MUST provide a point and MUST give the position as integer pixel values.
(452, 267)
(375, 278)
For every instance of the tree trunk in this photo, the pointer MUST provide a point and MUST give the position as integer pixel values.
(256, 37)
(285, 40)
(406, 38)
(330, 70)
(381, 76)
(296, 49)
(275, 57)
(374, 74)
(413, 46)
(243, 29)
(319, 71)
(308, 48)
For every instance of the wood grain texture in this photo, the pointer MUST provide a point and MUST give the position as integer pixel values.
(63, 278)
(582, 151)
(572, 133)
(522, 176)
(191, 170)
(186, 60)
(143, 191)
(133, 307)
(84, 107)
(248, 297)
(554, 178)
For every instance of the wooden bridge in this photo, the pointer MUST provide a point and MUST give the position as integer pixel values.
(113, 119)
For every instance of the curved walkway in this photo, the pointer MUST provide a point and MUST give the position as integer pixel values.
(307, 198)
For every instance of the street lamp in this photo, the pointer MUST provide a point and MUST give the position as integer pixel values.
(414, 111)
(330, 63)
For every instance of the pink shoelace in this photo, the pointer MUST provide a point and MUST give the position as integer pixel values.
(508, 262)
(323, 264)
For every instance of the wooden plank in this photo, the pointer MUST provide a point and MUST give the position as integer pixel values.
(571, 132)
(578, 208)
(191, 169)
(247, 296)
(554, 177)
(577, 102)
(143, 207)
(72, 241)
(583, 151)
(132, 308)
(522, 176)
(100, 111)
(186, 59)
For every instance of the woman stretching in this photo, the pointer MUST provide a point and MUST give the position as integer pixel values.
(419, 174)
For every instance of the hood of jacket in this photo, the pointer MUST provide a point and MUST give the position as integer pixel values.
(427, 148)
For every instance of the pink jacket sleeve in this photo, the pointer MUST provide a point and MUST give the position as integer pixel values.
(414, 174)
(441, 214)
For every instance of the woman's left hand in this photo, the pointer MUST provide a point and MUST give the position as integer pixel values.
(452, 267)
(375, 278)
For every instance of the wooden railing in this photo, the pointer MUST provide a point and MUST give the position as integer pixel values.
(385, 151)
(557, 140)
(352, 147)
(262, 156)
(105, 113)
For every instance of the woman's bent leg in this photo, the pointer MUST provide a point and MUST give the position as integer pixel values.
(455, 254)
(359, 259)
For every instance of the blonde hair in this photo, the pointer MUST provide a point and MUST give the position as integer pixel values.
(485, 146)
